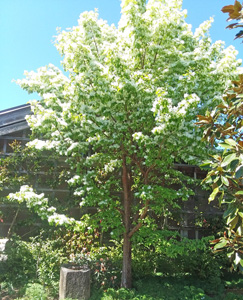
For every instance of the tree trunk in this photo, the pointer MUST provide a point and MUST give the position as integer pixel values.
(126, 280)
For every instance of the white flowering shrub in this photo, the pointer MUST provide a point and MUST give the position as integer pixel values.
(124, 111)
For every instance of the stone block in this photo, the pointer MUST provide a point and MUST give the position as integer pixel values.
(74, 282)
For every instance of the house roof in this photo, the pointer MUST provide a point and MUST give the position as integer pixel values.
(13, 119)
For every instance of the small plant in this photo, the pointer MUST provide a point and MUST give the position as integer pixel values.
(83, 259)
(35, 291)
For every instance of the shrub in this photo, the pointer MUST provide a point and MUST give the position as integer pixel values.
(48, 256)
(19, 267)
(35, 291)
(38, 260)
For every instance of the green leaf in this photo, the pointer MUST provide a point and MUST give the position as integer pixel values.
(231, 210)
(231, 218)
(213, 194)
(233, 222)
(228, 159)
(234, 164)
(225, 180)
(216, 179)
(221, 244)
(231, 142)
(239, 193)
(239, 173)
(229, 254)
(240, 214)
(221, 198)
(206, 164)
(226, 146)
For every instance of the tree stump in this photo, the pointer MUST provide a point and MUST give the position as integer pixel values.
(74, 282)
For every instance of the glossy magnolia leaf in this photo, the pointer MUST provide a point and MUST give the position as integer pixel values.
(230, 211)
(239, 35)
(240, 214)
(239, 193)
(225, 180)
(228, 9)
(234, 25)
(237, 6)
(221, 197)
(231, 142)
(217, 157)
(239, 172)
(213, 194)
(234, 164)
(205, 119)
(233, 222)
(215, 241)
(221, 105)
(225, 145)
(233, 10)
(206, 164)
(228, 159)
(229, 254)
(221, 244)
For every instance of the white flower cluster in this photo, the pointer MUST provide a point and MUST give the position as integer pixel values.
(111, 165)
(43, 145)
(40, 205)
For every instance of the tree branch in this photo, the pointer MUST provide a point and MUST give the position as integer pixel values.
(120, 211)
(141, 217)
(156, 53)
(97, 50)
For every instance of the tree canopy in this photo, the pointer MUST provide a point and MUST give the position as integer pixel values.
(123, 113)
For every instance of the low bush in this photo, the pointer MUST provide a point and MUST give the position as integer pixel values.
(37, 261)
(48, 257)
(19, 267)
(34, 291)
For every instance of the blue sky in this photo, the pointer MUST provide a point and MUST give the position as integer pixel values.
(28, 27)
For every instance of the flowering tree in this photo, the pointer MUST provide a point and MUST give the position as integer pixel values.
(124, 112)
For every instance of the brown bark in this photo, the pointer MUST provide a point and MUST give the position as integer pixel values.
(126, 280)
